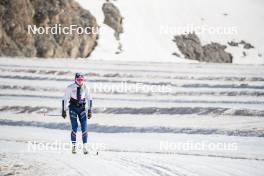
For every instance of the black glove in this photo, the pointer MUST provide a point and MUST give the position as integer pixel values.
(63, 114)
(89, 114)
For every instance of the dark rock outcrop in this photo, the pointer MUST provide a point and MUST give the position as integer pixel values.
(16, 40)
(113, 18)
(215, 52)
(245, 45)
(191, 47)
(232, 43)
(248, 46)
(176, 54)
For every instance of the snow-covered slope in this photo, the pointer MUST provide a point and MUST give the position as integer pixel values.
(216, 104)
(145, 21)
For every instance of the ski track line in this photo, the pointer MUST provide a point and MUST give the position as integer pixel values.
(130, 129)
(155, 166)
(230, 93)
(186, 154)
(152, 110)
(173, 68)
(148, 168)
(142, 99)
(188, 92)
(114, 76)
(188, 68)
(168, 83)
(158, 167)
(131, 75)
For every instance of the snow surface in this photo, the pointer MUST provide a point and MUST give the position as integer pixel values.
(144, 21)
(216, 104)
(129, 154)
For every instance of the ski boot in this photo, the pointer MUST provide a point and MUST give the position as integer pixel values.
(85, 149)
(74, 149)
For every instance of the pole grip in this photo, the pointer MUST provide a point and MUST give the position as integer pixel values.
(90, 104)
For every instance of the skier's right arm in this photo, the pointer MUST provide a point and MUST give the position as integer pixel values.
(65, 101)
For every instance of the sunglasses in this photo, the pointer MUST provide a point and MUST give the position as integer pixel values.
(80, 80)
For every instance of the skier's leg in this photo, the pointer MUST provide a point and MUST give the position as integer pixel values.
(74, 124)
(83, 122)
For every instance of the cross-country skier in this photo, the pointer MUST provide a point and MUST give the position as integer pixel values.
(78, 101)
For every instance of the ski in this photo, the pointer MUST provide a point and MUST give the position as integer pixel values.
(93, 153)
(87, 152)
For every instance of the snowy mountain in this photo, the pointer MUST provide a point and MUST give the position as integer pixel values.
(149, 27)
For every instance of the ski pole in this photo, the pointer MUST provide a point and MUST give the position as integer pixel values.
(52, 115)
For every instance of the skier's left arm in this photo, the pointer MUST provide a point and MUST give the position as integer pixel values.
(89, 101)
